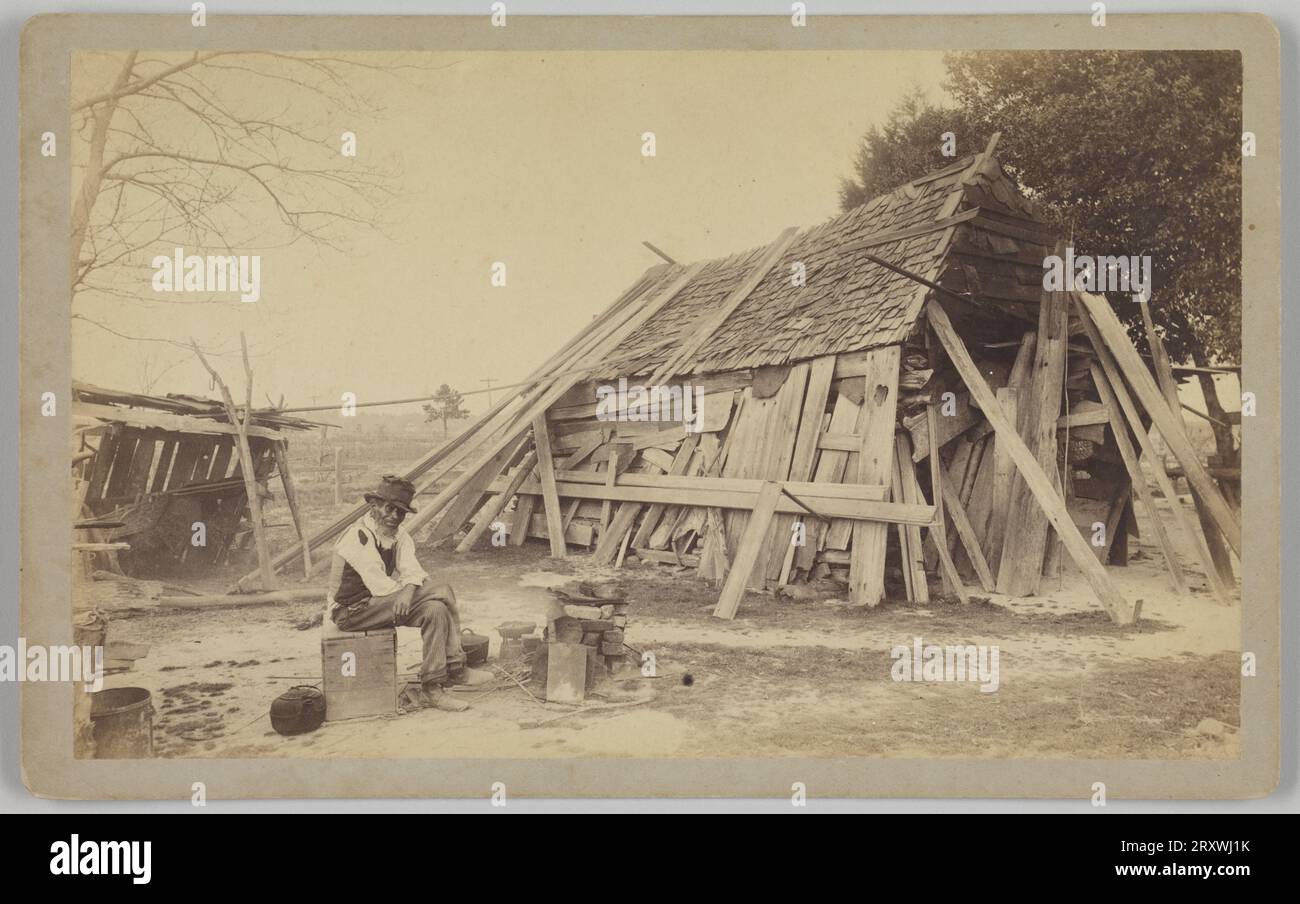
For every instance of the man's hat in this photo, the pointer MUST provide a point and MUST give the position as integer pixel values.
(397, 490)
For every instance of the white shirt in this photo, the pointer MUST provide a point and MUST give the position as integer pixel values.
(365, 559)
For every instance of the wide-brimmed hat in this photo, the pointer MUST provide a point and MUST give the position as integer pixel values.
(397, 490)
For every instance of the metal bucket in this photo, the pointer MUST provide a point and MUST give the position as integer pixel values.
(123, 722)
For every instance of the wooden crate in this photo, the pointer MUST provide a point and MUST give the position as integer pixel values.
(371, 687)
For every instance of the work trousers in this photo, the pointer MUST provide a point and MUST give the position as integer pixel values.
(433, 610)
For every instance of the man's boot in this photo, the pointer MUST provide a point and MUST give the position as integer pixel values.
(431, 696)
(441, 698)
(468, 677)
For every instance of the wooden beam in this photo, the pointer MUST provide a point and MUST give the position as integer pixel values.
(681, 461)
(915, 563)
(1040, 484)
(550, 499)
(1169, 389)
(904, 549)
(1120, 393)
(939, 530)
(265, 568)
(280, 448)
(821, 373)
(161, 420)
(742, 565)
(969, 539)
(494, 506)
(1025, 545)
(598, 349)
(460, 509)
(1003, 477)
(867, 503)
(1116, 341)
(1120, 431)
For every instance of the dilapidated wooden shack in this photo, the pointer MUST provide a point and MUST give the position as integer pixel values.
(156, 466)
(890, 398)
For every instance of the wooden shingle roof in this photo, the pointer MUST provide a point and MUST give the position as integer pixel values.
(846, 303)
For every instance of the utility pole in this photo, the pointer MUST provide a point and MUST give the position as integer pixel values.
(489, 381)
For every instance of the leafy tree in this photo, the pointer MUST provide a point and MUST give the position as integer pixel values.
(446, 406)
(1129, 152)
(907, 146)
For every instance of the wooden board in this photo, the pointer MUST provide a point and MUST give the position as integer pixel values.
(1113, 337)
(1194, 534)
(1004, 473)
(1021, 566)
(863, 502)
(1120, 431)
(1027, 463)
(546, 476)
(742, 565)
(912, 496)
(820, 373)
(876, 425)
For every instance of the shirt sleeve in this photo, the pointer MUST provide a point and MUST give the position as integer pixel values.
(409, 570)
(364, 559)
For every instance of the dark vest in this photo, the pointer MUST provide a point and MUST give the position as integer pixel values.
(352, 589)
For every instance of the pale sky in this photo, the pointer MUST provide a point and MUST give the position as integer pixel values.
(533, 160)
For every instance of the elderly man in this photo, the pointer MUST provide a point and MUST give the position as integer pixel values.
(377, 582)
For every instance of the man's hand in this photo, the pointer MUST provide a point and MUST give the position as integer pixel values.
(402, 605)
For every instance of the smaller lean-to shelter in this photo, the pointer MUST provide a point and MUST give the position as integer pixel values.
(151, 467)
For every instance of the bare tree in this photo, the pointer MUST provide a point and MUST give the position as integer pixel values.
(216, 149)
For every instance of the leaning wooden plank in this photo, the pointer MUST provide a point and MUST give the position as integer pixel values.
(969, 539)
(831, 465)
(179, 423)
(820, 373)
(494, 506)
(1003, 479)
(1120, 431)
(912, 496)
(550, 499)
(462, 507)
(1191, 528)
(904, 549)
(783, 436)
(1080, 553)
(981, 502)
(594, 352)
(1025, 544)
(950, 426)
(1169, 389)
(676, 469)
(751, 542)
(1116, 341)
(281, 452)
(938, 531)
(866, 504)
(714, 317)
(875, 465)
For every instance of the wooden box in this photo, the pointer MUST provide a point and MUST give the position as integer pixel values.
(364, 684)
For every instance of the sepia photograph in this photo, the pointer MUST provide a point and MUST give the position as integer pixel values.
(681, 405)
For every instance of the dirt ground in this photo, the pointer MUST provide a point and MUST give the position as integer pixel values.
(785, 678)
